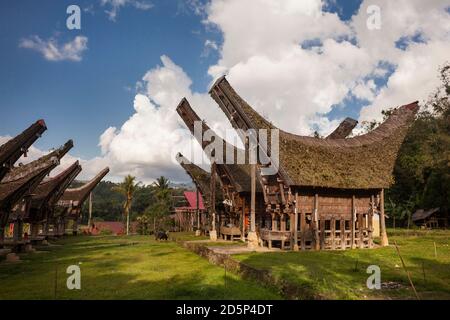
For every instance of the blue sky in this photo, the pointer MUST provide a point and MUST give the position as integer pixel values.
(314, 65)
(80, 100)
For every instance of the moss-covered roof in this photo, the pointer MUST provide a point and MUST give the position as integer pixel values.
(361, 162)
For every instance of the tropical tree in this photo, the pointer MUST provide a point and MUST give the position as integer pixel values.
(127, 188)
(163, 201)
(162, 183)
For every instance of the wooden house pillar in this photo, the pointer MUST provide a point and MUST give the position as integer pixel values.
(370, 222)
(18, 230)
(252, 237)
(295, 225)
(333, 232)
(303, 229)
(383, 234)
(316, 222)
(361, 227)
(213, 232)
(343, 237)
(353, 222)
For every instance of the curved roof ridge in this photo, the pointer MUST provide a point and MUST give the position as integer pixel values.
(93, 182)
(400, 117)
(14, 148)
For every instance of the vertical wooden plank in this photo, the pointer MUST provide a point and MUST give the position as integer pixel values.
(342, 226)
(371, 213)
(303, 228)
(283, 222)
(315, 222)
(295, 224)
(213, 196)
(383, 234)
(333, 233)
(322, 233)
(353, 223)
(361, 228)
(253, 199)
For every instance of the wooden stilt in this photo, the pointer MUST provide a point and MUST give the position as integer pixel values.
(342, 227)
(353, 222)
(295, 225)
(333, 232)
(315, 222)
(303, 229)
(383, 234)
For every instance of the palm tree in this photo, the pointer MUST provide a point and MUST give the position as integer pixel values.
(127, 188)
(162, 183)
(162, 205)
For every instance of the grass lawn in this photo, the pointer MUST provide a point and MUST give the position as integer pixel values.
(135, 267)
(342, 274)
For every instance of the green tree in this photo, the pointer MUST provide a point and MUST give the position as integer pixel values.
(127, 188)
(159, 210)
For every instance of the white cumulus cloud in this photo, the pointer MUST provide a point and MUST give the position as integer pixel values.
(52, 50)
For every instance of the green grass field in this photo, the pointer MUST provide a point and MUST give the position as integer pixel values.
(137, 267)
(342, 274)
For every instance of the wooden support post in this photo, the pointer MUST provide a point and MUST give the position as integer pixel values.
(197, 200)
(342, 227)
(295, 225)
(333, 233)
(90, 211)
(252, 237)
(353, 222)
(18, 230)
(315, 222)
(213, 232)
(303, 228)
(283, 222)
(370, 222)
(322, 233)
(361, 228)
(383, 234)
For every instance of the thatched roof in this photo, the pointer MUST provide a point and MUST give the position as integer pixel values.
(201, 179)
(237, 174)
(422, 214)
(77, 196)
(344, 129)
(361, 162)
(14, 148)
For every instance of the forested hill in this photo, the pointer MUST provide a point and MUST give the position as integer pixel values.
(108, 204)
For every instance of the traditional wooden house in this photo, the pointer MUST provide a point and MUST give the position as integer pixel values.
(70, 204)
(234, 177)
(18, 183)
(202, 181)
(44, 199)
(14, 148)
(431, 219)
(326, 191)
(20, 213)
(187, 216)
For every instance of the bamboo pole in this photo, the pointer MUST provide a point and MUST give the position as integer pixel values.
(407, 272)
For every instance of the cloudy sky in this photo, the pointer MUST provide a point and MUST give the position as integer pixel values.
(113, 85)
